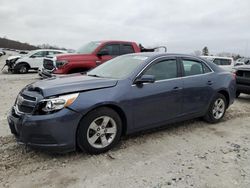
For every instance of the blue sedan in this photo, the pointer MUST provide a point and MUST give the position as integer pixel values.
(127, 94)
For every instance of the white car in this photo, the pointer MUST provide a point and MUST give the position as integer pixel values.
(31, 61)
(242, 61)
(227, 63)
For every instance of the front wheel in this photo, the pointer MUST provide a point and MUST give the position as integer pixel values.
(21, 68)
(99, 131)
(216, 109)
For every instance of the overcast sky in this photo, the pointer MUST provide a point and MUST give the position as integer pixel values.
(183, 25)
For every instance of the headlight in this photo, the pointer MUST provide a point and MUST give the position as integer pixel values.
(61, 63)
(54, 104)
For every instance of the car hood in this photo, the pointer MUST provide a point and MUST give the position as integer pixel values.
(70, 84)
(75, 57)
(242, 67)
(13, 57)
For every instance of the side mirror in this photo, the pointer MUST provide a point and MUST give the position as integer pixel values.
(145, 79)
(103, 52)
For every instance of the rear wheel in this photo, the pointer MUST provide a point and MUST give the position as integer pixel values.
(99, 131)
(216, 109)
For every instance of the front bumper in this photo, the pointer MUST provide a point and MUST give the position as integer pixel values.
(243, 84)
(54, 132)
(243, 88)
(44, 73)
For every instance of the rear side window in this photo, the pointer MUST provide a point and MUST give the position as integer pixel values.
(113, 49)
(127, 49)
(162, 70)
(53, 52)
(218, 61)
(192, 67)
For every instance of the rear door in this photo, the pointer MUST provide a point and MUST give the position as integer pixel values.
(126, 49)
(197, 85)
(158, 102)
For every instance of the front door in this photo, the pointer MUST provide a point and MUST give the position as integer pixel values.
(113, 51)
(158, 102)
(36, 60)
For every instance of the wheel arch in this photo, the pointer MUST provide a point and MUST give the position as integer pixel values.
(23, 63)
(114, 107)
(226, 95)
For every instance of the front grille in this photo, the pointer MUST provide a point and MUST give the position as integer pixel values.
(48, 64)
(25, 109)
(246, 74)
(243, 73)
(26, 102)
(27, 97)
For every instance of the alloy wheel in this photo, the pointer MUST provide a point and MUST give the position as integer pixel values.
(218, 108)
(101, 132)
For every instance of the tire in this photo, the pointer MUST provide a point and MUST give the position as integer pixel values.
(21, 68)
(237, 94)
(92, 134)
(216, 109)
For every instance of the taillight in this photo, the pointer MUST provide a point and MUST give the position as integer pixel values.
(234, 75)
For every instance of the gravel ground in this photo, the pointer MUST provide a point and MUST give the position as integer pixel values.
(188, 154)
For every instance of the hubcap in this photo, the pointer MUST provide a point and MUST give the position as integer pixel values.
(101, 132)
(23, 69)
(219, 108)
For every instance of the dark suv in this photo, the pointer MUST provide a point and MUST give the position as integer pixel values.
(242, 79)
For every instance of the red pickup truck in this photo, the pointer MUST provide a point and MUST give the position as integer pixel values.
(89, 56)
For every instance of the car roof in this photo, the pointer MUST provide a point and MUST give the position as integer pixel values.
(153, 55)
(161, 54)
(38, 50)
(219, 57)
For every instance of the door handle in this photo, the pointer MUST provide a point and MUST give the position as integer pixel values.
(210, 82)
(177, 88)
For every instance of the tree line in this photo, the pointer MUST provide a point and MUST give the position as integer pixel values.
(13, 44)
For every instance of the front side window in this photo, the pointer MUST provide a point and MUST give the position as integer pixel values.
(39, 54)
(162, 70)
(113, 49)
(192, 67)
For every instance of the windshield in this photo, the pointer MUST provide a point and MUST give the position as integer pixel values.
(88, 48)
(119, 67)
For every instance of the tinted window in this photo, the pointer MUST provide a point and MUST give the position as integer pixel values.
(163, 70)
(222, 61)
(40, 54)
(53, 52)
(127, 49)
(113, 49)
(192, 67)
